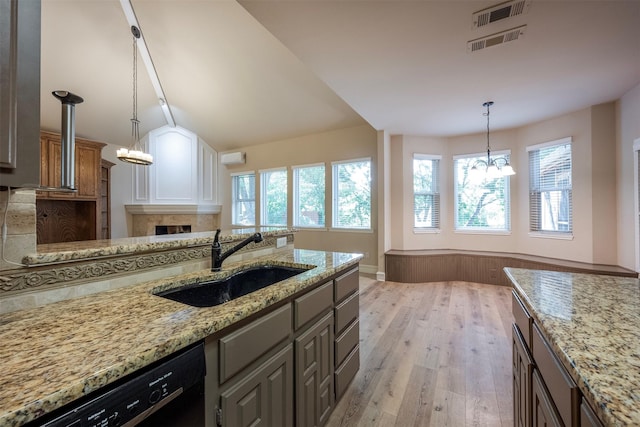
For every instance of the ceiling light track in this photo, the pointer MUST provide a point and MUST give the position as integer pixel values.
(130, 14)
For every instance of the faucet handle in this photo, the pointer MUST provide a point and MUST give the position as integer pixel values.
(216, 239)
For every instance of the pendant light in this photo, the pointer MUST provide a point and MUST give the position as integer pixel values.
(493, 167)
(135, 154)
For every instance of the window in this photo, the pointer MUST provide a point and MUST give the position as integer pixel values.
(352, 194)
(273, 184)
(426, 191)
(308, 196)
(550, 198)
(243, 199)
(481, 205)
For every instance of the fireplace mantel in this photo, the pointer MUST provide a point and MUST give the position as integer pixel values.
(167, 209)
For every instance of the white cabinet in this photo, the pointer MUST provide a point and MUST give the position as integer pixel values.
(184, 169)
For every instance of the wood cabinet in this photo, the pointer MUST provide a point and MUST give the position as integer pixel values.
(544, 394)
(105, 198)
(65, 216)
(281, 367)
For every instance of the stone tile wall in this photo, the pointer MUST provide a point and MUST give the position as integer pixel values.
(20, 215)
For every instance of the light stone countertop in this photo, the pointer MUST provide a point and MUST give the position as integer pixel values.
(57, 253)
(593, 324)
(58, 353)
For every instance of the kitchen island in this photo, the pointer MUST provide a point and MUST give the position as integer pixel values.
(590, 324)
(57, 353)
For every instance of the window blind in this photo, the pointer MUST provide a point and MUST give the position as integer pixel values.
(243, 195)
(550, 187)
(426, 191)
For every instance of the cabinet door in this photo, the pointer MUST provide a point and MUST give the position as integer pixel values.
(544, 413)
(522, 369)
(263, 397)
(87, 171)
(314, 374)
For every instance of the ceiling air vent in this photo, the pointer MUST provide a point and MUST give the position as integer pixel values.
(496, 39)
(499, 12)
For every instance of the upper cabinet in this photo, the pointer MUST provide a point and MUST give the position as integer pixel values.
(183, 170)
(19, 92)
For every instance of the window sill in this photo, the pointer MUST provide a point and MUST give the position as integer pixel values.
(551, 235)
(352, 230)
(418, 230)
(485, 232)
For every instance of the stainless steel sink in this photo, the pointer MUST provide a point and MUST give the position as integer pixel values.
(215, 292)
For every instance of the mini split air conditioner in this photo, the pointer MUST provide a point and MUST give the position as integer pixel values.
(237, 158)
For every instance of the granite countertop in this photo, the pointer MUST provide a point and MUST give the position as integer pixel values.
(593, 324)
(55, 354)
(57, 253)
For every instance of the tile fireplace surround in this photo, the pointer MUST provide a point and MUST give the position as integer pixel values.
(145, 218)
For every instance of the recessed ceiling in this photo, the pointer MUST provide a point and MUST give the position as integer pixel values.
(246, 73)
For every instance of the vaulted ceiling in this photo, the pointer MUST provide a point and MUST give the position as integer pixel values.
(249, 72)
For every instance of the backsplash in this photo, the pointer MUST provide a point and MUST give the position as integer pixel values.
(36, 286)
(21, 226)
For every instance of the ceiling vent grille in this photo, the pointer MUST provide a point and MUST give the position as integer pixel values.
(499, 12)
(496, 39)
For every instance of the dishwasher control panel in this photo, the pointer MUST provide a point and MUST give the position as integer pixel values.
(137, 396)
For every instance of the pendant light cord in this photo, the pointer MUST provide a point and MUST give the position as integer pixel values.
(135, 131)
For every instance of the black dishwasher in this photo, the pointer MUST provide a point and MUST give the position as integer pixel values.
(167, 393)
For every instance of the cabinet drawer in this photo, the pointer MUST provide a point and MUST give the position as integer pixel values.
(346, 372)
(346, 342)
(347, 312)
(522, 318)
(245, 345)
(562, 388)
(312, 304)
(346, 284)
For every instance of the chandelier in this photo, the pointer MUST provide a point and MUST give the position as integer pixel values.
(493, 167)
(135, 154)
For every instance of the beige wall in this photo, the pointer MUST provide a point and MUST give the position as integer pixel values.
(594, 187)
(351, 143)
(628, 130)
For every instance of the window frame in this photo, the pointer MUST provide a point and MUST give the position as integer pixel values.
(435, 194)
(296, 214)
(336, 195)
(235, 201)
(264, 205)
(507, 196)
(540, 233)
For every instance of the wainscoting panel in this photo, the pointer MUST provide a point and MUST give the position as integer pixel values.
(416, 267)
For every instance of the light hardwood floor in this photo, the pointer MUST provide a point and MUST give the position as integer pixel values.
(431, 354)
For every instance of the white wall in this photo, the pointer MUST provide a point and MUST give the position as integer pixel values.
(121, 193)
(594, 185)
(628, 129)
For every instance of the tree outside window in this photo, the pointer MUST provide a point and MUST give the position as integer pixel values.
(483, 204)
(274, 197)
(352, 194)
(309, 196)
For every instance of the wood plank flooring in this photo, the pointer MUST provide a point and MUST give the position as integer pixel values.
(431, 354)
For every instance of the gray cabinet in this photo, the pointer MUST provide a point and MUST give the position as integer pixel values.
(264, 397)
(544, 412)
(19, 92)
(522, 371)
(544, 394)
(314, 373)
(285, 366)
